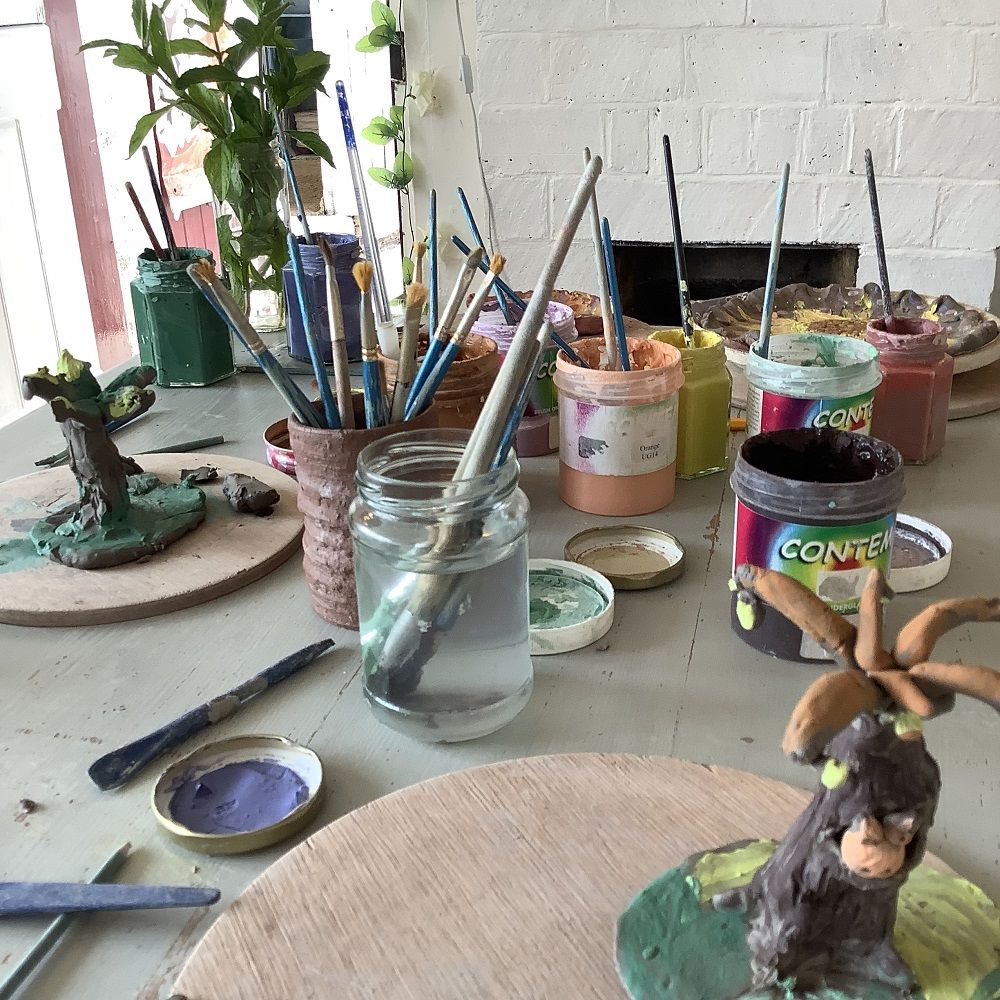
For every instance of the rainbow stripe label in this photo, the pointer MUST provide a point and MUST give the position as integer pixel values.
(771, 411)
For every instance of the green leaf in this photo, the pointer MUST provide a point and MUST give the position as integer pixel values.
(218, 167)
(246, 106)
(403, 167)
(159, 47)
(140, 20)
(380, 131)
(208, 109)
(132, 57)
(246, 31)
(193, 22)
(100, 43)
(407, 270)
(312, 142)
(311, 60)
(383, 15)
(190, 47)
(214, 10)
(206, 74)
(384, 177)
(396, 113)
(143, 125)
(377, 38)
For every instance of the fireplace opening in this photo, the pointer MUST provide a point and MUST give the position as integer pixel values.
(648, 281)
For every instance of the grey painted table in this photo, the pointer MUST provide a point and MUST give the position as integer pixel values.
(672, 680)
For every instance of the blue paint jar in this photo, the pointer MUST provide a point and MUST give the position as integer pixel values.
(346, 253)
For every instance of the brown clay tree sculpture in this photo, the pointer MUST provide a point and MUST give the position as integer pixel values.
(116, 519)
(821, 911)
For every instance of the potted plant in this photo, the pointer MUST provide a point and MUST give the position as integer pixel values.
(241, 72)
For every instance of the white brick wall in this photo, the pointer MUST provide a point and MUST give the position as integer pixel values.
(741, 86)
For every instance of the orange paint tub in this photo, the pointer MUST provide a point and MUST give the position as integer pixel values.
(618, 430)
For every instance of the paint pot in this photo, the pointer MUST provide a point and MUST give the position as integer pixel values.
(631, 556)
(911, 404)
(921, 554)
(346, 253)
(618, 430)
(460, 396)
(703, 402)
(325, 463)
(180, 335)
(238, 795)
(812, 380)
(571, 606)
(538, 432)
(278, 448)
(819, 505)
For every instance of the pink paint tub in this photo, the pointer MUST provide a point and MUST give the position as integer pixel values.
(278, 449)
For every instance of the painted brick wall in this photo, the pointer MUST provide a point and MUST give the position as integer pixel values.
(741, 86)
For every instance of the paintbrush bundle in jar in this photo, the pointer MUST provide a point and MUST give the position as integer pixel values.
(413, 617)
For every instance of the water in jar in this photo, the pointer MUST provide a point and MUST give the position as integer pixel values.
(446, 654)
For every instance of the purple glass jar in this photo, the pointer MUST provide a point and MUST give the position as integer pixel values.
(346, 253)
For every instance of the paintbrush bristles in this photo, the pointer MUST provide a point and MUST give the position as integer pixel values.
(497, 263)
(363, 272)
(421, 249)
(416, 296)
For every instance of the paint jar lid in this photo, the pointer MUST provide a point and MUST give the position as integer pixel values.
(921, 554)
(280, 781)
(571, 606)
(631, 556)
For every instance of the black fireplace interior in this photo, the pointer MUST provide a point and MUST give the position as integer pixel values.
(648, 281)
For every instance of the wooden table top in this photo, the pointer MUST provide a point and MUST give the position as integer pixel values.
(673, 680)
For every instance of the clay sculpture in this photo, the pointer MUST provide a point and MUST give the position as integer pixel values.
(122, 513)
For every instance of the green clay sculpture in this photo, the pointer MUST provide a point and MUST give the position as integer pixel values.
(122, 513)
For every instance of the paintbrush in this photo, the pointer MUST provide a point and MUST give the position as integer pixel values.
(180, 447)
(477, 237)
(416, 296)
(520, 304)
(20, 972)
(161, 207)
(371, 367)
(141, 212)
(454, 345)
(883, 269)
(293, 183)
(418, 269)
(764, 343)
(364, 211)
(312, 340)
(408, 633)
(432, 262)
(616, 301)
(215, 291)
(610, 343)
(116, 768)
(521, 404)
(679, 263)
(440, 333)
(338, 338)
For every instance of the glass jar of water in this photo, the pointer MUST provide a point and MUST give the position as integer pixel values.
(442, 577)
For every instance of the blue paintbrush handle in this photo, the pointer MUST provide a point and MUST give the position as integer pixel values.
(427, 363)
(516, 413)
(115, 768)
(478, 237)
(432, 261)
(300, 210)
(345, 116)
(376, 412)
(434, 380)
(616, 302)
(305, 307)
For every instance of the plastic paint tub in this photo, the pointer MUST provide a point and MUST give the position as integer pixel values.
(912, 402)
(703, 414)
(538, 432)
(346, 253)
(812, 380)
(618, 430)
(820, 506)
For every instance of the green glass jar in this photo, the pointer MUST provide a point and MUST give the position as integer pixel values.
(180, 334)
(703, 407)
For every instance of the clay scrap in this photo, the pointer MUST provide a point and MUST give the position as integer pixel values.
(247, 495)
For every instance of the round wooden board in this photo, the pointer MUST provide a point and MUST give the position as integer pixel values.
(975, 392)
(225, 552)
(502, 881)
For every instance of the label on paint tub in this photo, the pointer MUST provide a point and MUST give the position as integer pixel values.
(833, 561)
(771, 411)
(543, 398)
(618, 440)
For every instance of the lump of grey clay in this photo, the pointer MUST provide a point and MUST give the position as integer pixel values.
(203, 474)
(248, 495)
